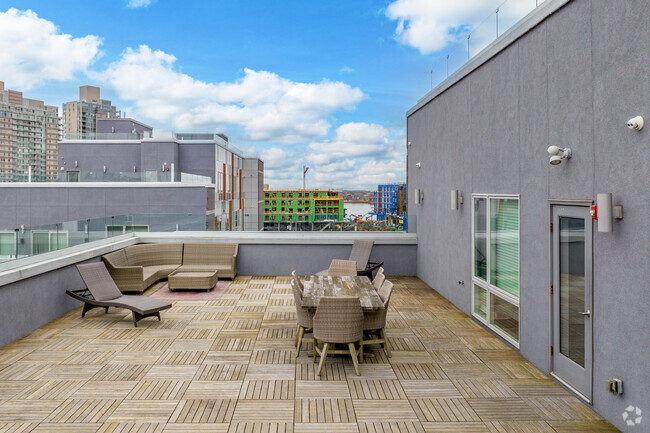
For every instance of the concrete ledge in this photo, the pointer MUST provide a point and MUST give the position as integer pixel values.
(28, 267)
(535, 17)
(282, 238)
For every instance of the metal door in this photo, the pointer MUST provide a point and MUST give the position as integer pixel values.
(572, 354)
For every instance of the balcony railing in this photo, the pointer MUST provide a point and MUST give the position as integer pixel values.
(29, 241)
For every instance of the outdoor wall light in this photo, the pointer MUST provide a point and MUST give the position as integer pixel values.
(134, 168)
(558, 154)
(418, 164)
(605, 212)
(635, 123)
(75, 164)
(408, 144)
(456, 199)
(104, 169)
(418, 196)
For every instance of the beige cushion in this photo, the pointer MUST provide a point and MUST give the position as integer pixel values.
(155, 254)
(117, 258)
(208, 254)
(149, 276)
(161, 271)
(197, 268)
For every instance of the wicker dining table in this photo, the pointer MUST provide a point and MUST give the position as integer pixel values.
(324, 285)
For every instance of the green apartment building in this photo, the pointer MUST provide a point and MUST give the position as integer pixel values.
(302, 205)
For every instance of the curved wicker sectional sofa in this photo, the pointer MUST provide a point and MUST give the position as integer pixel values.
(137, 267)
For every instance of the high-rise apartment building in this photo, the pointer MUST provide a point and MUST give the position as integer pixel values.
(29, 136)
(80, 117)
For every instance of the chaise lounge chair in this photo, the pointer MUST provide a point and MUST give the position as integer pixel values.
(102, 292)
(361, 255)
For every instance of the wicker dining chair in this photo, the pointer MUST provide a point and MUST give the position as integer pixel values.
(342, 268)
(378, 280)
(296, 278)
(375, 322)
(304, 317)
(338, 320)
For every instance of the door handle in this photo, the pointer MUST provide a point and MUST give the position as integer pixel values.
(585, 313)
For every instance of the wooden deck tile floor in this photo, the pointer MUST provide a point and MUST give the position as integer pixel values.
(229, 366)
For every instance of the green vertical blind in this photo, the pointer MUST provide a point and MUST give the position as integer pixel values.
(504, 244)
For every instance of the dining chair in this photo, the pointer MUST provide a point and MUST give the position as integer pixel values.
(304, 318)
(338, 320)
(342, 268)
(378, 280)
(375, 322)
(296, 278)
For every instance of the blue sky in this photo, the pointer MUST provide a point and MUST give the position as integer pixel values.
(321, 83)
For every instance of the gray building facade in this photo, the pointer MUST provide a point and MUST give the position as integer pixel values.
(186, 158)
(522, 254)
(125, 125)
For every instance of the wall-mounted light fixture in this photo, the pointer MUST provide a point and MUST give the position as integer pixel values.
(76, 164)
(418, 196)
(605, 213)
(134, 168)
(104, 169)
(164, 166)
(558, 154)
(22, 229)
(408, 144)
(418, 164)
(456, 199)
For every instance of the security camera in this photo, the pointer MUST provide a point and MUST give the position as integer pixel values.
(635, 123)
(558, 154)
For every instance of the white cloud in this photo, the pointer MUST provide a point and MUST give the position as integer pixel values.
(351, 140)
(347, 69)
(267, 106)
(430, 25)
(358, 156)
(34, 51)
(137, 3)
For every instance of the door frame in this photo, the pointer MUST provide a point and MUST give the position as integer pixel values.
(584, 204)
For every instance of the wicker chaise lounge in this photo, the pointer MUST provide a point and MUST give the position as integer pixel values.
(102, 292)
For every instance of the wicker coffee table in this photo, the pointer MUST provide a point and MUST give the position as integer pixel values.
(189, 280)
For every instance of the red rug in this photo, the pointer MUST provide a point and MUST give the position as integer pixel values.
(186, 295)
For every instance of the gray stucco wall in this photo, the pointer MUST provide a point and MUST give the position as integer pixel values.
(198, 159)
(572, 81)
(265, 259)
(91, 157)
(38, 204)
(121, 126)
(33, 302)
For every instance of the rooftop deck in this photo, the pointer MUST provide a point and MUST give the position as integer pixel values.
(228, 365)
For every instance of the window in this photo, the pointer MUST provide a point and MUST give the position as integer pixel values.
(495, 294)
(44, 241)
(7, 245)
(120, 230)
